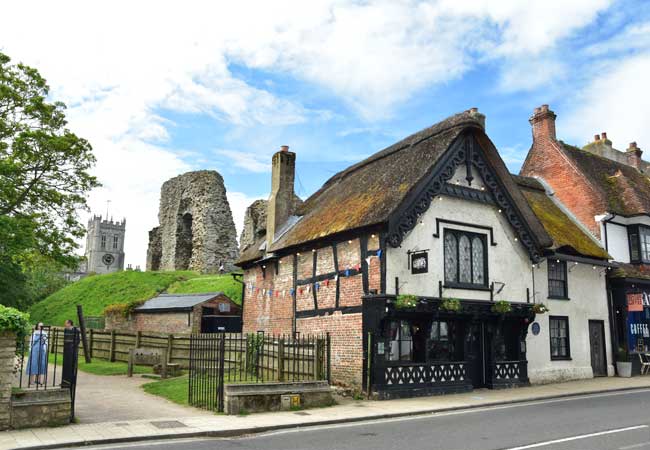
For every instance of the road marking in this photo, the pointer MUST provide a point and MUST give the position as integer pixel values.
(629, 447)
(575, 438)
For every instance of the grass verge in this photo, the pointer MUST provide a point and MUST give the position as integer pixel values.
(173, 389)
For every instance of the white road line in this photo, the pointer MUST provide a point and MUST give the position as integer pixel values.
(629, 447)
(575, 438)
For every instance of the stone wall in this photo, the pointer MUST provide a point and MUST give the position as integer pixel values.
(196, 229)
(43, 408)
(255, 221)
(7, 360)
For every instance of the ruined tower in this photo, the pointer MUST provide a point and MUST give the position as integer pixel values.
(196, 230)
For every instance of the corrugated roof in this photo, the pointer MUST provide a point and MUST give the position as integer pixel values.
(177, 301)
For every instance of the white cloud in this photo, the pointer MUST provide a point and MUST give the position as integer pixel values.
(117, 64)
(247, 161)
(615, 102)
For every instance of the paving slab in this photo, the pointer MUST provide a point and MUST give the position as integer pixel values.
(201, 423)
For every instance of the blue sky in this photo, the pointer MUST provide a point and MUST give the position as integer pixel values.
(160, 88)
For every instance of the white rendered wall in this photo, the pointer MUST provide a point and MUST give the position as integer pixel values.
(588, 301)
(617, 242)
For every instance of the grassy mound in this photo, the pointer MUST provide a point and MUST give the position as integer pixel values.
(97, 292)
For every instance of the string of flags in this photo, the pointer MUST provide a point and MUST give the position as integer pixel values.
(277, 293)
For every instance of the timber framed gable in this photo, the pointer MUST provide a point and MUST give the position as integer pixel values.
(464, 150)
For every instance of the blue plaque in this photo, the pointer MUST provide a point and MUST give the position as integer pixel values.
(536, 328)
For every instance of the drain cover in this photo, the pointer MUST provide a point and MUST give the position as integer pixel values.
(168, 424)
(302, 413)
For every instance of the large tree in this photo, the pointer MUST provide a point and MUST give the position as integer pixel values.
(44, 175)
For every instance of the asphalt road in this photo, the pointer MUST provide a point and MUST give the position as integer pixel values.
(615, 421)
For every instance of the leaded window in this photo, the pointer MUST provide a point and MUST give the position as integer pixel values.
(465, 259)
(103, 241)
(639, 237)
(559, 333)
(115, 241)
(557, 279)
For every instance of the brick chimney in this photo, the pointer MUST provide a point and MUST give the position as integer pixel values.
(281, 199)
(543, 122)
(634, 155)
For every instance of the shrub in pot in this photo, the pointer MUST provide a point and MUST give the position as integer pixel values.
(623, 364)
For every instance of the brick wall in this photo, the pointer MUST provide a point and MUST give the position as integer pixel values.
(175, 322)
(7, 359)
(548, 161)
(268, 303)
(346, 344)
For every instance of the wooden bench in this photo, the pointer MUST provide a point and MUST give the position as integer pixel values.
(148, 357)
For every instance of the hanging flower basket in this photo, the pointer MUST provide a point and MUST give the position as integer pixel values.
(405, 301)
(451, 305)
(502, 307)
(540, 308)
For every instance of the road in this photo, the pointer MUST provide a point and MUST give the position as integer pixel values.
(614, 421)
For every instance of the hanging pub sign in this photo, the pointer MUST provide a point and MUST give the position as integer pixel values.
(419, 262)
(635, 302)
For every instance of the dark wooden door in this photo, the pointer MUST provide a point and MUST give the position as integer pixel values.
(597, 344)
(475, 353)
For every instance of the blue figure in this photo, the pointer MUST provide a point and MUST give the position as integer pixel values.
(37, 364)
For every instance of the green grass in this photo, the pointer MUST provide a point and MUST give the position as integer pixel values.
(209, 283)
(102, 367)
(173, 389)
(97, 292)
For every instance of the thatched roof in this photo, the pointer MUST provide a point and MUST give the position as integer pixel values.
(369, 192)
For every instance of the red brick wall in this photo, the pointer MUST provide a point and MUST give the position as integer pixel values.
(546, 160)
(346, 344)
(275, 314)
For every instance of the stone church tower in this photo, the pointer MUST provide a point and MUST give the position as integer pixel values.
(105, 245)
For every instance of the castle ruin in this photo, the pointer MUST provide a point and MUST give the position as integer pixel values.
(196, 230)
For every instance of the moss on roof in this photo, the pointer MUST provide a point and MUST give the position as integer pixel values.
(632, 271)
(625, 189)
(565, 232)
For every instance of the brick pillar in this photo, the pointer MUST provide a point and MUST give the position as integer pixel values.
(7, 359)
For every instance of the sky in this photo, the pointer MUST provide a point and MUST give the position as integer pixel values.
(161, 88)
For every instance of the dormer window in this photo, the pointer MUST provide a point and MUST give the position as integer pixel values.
(639, 237)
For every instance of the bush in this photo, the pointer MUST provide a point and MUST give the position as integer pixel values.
(13, 321)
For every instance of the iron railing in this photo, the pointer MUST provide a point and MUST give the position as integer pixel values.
(216, 359)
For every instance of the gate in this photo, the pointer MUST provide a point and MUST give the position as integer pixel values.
(206, 371)
(48, 358)
(219, 358)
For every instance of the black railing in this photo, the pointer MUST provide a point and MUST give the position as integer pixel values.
(47, 358)
(508, 373)
(216, 359)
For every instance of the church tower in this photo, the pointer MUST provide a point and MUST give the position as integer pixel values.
(105, 245)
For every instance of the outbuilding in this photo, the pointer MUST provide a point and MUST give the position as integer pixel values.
(210, 312)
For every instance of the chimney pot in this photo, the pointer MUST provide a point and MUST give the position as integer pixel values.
(284, 148)
(596, 137)
(543, 123)
(544, 108)
(603, 135)
(633, 145)
(473, 110)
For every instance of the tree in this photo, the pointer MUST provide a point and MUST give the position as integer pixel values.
(44, 174)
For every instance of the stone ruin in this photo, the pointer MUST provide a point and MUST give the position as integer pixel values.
(255, 221)
(196, 230)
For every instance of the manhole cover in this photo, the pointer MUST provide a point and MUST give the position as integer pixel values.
(168, 424)
(302, 413)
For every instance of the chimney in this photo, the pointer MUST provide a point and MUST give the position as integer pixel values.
(543, 122)
(281, 199)
(476, 115)
(634, 155)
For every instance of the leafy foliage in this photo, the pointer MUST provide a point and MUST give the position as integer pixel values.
(451, 305)
(502, 307)
(540, 308)
(14, 321)
(43, 179)
(406, 301)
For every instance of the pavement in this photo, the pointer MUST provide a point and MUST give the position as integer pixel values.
(606, 421)
(198, 423)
